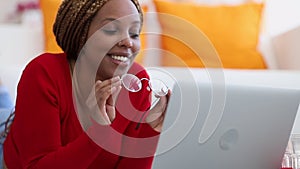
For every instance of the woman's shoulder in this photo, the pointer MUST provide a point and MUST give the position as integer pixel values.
(49, 58)
(46, 64)
(48, 61)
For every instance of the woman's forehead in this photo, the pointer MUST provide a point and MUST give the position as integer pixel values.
(118, 9)
(116, 13)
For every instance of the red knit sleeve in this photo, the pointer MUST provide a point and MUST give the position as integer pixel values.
(35, 138)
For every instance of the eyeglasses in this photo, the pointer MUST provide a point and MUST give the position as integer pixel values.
(134, 84)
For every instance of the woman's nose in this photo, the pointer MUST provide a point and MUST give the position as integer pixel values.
(125, 43)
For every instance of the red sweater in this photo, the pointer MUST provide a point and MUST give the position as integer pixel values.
(46, 132)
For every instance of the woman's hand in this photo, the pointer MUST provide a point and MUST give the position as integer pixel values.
(156, 115)
(102, 99)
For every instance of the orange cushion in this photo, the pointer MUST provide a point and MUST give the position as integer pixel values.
(210, 36)
(49, 9)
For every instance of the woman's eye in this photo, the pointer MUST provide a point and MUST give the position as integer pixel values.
(109, 32)
(134, 35)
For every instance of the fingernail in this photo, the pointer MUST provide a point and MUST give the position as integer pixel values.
(98, 82)
(116, 78)
(113, 89)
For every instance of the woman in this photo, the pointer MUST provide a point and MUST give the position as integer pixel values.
(103, 124)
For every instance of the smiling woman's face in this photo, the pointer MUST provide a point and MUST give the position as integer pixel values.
(113, 39)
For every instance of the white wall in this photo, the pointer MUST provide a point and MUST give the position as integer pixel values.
(281, 16)
(19, 42)
(282, 26)
(8, 8)
(18, 45)
(287, 50)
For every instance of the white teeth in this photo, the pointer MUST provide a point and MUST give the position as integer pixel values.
(120, 58)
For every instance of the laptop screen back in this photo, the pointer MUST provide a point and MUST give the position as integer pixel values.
(213, 125)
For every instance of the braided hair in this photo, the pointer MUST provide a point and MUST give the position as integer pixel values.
(73, 21)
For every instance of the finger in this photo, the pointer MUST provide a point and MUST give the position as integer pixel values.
(111, 112)
(103, 97)
(157, 124)
(153, 116)
(115, 81)
(107, 102)
(161, 104)
(104, 85)
(101, 117)
(115, 94)
(163, 100)
(103, 92)
(91, 100)
(96, 112)
(109, 86)
(112, 86)
(110, 104)
(169, 94)
(158, 110)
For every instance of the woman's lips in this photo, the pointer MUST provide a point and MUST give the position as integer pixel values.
(119, 59)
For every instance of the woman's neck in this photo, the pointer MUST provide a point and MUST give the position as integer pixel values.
(71, 66)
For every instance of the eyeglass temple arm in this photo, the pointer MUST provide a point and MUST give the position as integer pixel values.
(146, 112)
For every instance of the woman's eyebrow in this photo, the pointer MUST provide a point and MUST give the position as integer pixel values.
(118, 21)
(109, 20)
(136, 22)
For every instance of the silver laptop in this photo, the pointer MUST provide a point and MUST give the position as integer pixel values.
(217, 125)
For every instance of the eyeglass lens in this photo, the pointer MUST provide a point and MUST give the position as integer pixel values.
(131, 82)
(134, 84)
(158, 87)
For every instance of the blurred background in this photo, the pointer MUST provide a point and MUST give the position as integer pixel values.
(274, 29)
(258, 36)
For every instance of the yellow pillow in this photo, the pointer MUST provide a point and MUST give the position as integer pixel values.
(49, 9)
(190, 31)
